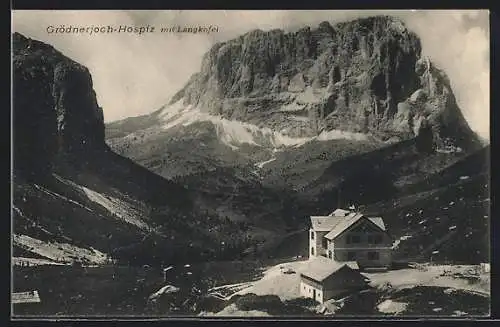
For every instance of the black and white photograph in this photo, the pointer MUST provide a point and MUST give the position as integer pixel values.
(309, 164)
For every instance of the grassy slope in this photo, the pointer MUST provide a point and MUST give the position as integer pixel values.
(377, 175)
(392, 181)
(129, 125)
(298, 167)
(165, 151)
(59, 211)
(427, 211)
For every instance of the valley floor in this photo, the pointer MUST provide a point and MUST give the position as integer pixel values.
(243, 288)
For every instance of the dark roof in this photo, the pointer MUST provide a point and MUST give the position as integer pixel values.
(324, 223)
(345, 224)
(327, 223)
(320, 268)
(340, 220)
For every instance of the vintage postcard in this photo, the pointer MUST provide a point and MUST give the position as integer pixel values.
(241, 163)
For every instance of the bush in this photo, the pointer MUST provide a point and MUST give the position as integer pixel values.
(269, 303)
(302, 302)
(211, 304)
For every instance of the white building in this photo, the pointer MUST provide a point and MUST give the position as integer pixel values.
(345, 235)
(323, 279)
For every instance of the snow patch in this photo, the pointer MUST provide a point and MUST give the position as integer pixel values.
(396, 243)
(390, 306)
(57, 195)
(117, 207)
(232, 310)
(235, 133)
(59, 252)
(164, 290)
(336, 134)
(261, 164)
(21, 261)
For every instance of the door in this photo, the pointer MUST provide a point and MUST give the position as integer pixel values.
(314, 294)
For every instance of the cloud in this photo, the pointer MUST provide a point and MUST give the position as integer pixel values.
(134, 74)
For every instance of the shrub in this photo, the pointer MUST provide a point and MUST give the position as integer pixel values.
(269, 303)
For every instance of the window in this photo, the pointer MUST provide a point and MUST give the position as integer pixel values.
(329, 254)
(312, 235)
(312, 251)
(325, 243)
(373, 256)
(351, 256)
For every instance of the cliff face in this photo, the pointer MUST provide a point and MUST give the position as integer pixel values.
(55, 108)
(365, 75)
(69, 187)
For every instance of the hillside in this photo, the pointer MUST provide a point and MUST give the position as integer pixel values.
(217, 186)
(71, 189)
(294, 124)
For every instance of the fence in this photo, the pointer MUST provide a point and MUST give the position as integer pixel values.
(26, 297)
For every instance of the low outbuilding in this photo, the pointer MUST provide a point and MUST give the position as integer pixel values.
(323, 279)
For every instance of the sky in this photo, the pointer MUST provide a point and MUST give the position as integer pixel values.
(137, 74)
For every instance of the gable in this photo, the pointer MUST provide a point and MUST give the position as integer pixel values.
(363, 223)
(343, 225)
(365, 226)
(344, 274)
(379, 222)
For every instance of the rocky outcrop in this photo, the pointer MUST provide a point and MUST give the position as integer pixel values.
(55, 108)
(365, 75)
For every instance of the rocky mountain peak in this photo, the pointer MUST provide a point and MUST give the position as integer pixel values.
(55, 107)
(366, 75)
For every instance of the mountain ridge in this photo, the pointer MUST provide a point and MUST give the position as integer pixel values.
(425, 110)
(365, 75)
